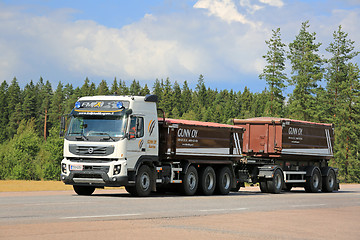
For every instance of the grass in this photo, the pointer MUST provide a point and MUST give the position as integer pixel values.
(23, 186)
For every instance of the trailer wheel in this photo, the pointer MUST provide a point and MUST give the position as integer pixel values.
(190, 181)
(263, 186)
(224, 181)
(329, 182)
(207, 181)
(84, 190)
(275, 184)
(144, 182)
(313, 183)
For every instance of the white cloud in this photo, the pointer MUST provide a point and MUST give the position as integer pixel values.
(224, 9)
(251, 8)
(274, 3)
(226, 44)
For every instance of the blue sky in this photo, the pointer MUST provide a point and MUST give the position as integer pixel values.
(224, 40)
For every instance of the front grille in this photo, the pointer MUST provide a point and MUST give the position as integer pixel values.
(91, 150)
(78, 175)
(95, 168)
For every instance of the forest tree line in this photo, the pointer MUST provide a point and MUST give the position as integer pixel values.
(30, 147)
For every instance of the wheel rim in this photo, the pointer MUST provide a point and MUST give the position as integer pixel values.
(226, 181)
(145, 181)
(331, 180)
(209, 181)
(191, 180)
(316, 180)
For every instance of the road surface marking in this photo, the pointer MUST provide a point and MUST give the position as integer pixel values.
(223, 210)
(103, 216)
(308, 205)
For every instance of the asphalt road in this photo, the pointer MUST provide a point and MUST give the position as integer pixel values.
(247, 214)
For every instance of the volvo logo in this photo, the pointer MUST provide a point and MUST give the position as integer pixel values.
(90, 150)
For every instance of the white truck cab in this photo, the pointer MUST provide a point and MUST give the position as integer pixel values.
(107, 137)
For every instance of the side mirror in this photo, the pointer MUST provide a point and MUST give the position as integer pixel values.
(128, 112)
(62, 126)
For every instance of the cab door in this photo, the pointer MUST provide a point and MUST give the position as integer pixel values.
(136, 146)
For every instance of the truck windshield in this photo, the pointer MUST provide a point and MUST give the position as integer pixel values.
(100, 126)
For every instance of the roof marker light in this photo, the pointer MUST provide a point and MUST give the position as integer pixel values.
(77, 105)
(119, 105)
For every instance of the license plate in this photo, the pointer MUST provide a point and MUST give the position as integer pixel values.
(76, 167)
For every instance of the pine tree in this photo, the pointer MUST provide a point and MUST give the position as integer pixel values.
(166, 101)
(57, 106)
(347, 134)
(3, 110)
(103, 88)
(145, 90)
(176, 100)
(123, 89)
(186, 98)
(342, 50)
(43, 102)
(274, 74)
(114, 87)
(14, 107)
(135, 88)
(343, 104)
(29, 106)
(158, 90)
(307, 71)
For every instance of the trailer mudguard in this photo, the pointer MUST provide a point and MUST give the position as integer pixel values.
(267, 171)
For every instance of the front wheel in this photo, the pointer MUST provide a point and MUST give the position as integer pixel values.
(84, 190)
(144, 182)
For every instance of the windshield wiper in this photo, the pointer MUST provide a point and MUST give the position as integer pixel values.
(80, 137)
(105, 133)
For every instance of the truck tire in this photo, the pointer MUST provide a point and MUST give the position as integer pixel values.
(144, 181)
(84, 190)
(329, 181)
(207, 181)
(224, 181)
(190, 181)
(263, 185)
(313, 182)
(275, 185)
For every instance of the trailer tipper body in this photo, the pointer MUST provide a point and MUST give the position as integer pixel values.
(120, 141)
(301, 149)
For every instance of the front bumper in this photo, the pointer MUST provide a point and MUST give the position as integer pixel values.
(94, 178)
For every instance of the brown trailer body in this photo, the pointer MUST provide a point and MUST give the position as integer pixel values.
(286, 138)
(194, 140)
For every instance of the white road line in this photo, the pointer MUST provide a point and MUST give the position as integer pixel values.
(309, 205)
(103, 216)
(223, 210)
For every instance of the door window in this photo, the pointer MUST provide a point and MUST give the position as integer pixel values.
(136, 127)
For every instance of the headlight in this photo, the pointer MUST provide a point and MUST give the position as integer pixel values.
(117, 169)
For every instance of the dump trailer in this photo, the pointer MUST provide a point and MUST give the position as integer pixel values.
(120, 141)
(298, 153)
